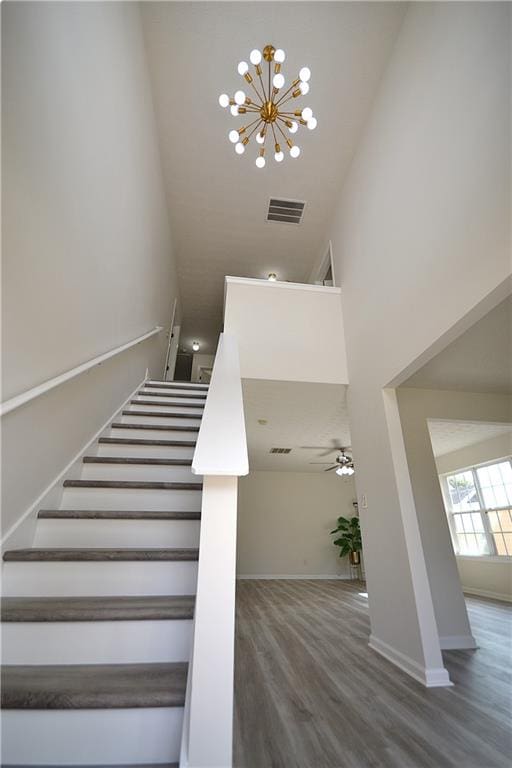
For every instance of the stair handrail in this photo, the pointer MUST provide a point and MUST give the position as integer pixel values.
(221, 447)
(221, 458)
(30, 394)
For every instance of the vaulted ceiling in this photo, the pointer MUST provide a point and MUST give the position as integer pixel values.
(218, 200)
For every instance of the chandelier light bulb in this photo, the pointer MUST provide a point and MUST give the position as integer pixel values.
(279, 156)
(279, 56)
(312, 123)
(239, 148)
(295, 151)
(304, 88)
(234, 110)
(243, 67)
(293, 128)
(260, 162)
(233, 136)
(278, 81)
(223, 100)
(304, 74)
(255, 57)
(260, 138)
(240, 97)
(307, 113)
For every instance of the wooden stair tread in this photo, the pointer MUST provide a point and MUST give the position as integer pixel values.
(165, 405)
(162, 427)
(150, 485)
(93, 686)
(125, 608)
(100, 554)
(162, 415)
(137, 460)
(116, 514)
(142, 441)
(190, 396)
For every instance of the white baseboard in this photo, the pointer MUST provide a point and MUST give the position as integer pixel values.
(304, 576)
(457, 642)
(51, 494)
(429, 677)
(486, 593)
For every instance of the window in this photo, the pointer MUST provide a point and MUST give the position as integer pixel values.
(479, 505)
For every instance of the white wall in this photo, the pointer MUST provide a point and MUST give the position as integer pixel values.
(416, 407)
(425, 208)
(284, 520)
(284, 330)
(481, 576)
(87, 255)
(200, 361)
(478, 453)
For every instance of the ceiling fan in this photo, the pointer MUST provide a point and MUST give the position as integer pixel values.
(344, 464)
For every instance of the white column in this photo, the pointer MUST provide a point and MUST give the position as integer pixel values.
(211, 693)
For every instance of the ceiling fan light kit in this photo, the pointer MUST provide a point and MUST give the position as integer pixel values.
(272, 119)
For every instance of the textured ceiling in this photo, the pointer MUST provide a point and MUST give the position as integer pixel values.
(480, 360)
(448, 436)
(217, 200)
(297, 415)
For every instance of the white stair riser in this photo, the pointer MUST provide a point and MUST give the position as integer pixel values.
(131, 498)
(54, 579)
(164, 407)
(189, 386)
(152, 434)
(161, 473)
(163, 397)
(91, 736)
(96, 642)
(144, 451)
(143, 418)
(117, 533)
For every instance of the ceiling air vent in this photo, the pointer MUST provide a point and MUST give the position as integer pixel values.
(280, 450)
(288, 211)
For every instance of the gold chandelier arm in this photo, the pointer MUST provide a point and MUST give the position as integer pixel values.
(258, 120)
(255, 128)
(258, 94)
(258, 70)
(292, 86)
(285, 137)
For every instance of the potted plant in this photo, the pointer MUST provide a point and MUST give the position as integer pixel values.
(349, 539)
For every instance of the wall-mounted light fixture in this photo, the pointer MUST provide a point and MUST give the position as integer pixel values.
(272, 277)
(195, 346)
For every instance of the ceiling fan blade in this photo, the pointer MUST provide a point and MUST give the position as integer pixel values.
(329, 468)
(319, 462)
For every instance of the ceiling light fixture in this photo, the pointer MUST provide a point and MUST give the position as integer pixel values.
(271, 116)
(195, 346)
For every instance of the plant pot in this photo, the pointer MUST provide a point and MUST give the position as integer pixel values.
(355, 558)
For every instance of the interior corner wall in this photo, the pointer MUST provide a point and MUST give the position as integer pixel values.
(284, 524)
(425, 208)
(480, 575)
(87, 254)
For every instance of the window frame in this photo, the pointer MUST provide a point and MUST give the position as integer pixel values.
(492, 555)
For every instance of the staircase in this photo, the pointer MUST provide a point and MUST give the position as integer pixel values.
(97, 615)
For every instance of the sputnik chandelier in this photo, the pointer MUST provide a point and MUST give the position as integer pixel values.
(273, 120)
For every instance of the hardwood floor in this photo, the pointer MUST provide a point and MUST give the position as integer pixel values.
(309, 693)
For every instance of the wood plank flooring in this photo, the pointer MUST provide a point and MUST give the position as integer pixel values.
(309, 693)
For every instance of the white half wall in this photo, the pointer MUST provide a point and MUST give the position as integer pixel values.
(425, 207)
(284, 520)
(87, 253)
(284, 330)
